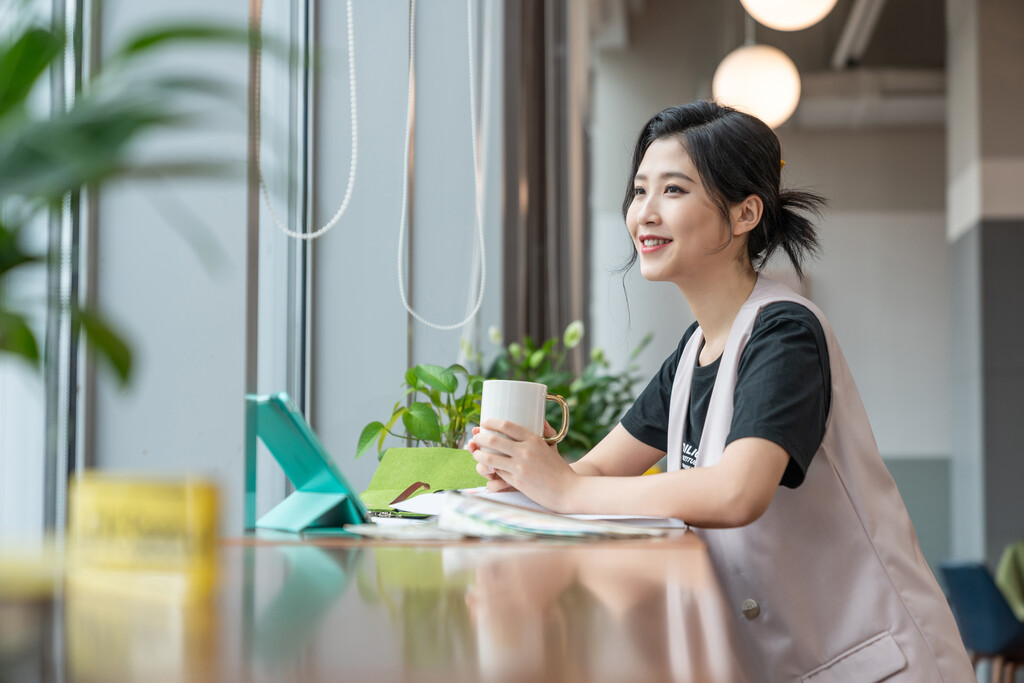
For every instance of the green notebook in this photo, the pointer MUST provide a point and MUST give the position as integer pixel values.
(414, 471)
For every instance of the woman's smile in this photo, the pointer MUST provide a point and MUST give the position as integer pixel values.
(650, 244)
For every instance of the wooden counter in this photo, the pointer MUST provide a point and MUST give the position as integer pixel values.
(346, 610)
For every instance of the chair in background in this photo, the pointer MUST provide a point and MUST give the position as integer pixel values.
(1010, 576)
(987, 624)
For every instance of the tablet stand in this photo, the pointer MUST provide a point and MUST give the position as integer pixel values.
(322, 498)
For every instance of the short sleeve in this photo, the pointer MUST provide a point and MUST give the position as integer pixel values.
(647, 418)
(783, 388)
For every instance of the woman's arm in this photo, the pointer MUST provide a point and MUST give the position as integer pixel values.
(734, 492)
(618, 454)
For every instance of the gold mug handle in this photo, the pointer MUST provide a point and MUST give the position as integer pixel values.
(565, 418)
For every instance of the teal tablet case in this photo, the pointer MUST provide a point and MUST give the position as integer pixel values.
(322, 498)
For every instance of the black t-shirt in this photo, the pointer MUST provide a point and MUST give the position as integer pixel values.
(783, 391)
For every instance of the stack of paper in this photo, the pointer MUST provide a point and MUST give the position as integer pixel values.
(479, 516)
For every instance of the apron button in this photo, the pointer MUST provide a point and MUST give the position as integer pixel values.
(750, 608)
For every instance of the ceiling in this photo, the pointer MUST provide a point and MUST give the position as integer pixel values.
(895, 77)
(908, 34)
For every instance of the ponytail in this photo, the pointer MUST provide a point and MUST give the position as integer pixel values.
(785, 224)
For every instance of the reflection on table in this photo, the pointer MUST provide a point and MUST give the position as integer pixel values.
(343, 610)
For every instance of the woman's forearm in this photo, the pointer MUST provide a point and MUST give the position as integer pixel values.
(699, 497)
(732, 493)
(586, 469)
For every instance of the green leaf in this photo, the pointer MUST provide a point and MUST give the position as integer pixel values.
(440, 378)
(573, 334)
(536, 358)
(371, 433)
(11, 254)
(23, 63)
(193, 33)
(421, 423)
(556, 380)
(435, 398)
(399, 412)
(16, 337)
(106, 342)
(49, 157)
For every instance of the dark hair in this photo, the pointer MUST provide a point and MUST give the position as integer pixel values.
(737, 155)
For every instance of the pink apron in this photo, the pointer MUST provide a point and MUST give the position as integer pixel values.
(830, 583)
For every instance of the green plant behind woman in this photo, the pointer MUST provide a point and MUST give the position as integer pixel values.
(597, 397)
(438, 408)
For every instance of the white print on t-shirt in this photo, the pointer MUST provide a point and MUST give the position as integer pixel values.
(688, 458)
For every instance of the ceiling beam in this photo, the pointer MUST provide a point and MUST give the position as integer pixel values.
(856, 35)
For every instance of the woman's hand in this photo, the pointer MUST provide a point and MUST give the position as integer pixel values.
(524, 461)
(495, 484)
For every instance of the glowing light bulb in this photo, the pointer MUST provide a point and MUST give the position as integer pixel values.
(760, 80)
(788, 15)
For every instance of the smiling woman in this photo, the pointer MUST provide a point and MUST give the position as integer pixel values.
(770, 455)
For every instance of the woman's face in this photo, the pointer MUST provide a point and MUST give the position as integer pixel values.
(676, 228)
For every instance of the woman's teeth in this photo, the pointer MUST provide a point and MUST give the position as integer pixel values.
(655, 243)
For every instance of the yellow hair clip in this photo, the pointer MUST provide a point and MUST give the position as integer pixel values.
(782, 164)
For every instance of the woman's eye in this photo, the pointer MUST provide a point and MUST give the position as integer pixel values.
(637, 191)
(673, 189)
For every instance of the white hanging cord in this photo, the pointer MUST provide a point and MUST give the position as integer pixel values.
(355, 132)
(476, 170)
(470, 338)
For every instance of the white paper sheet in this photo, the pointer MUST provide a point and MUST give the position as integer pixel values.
(432, 503)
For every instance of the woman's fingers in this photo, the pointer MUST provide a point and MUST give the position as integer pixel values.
(489, 459)
(494, 442)
(499, 485)
(511, 430)
(494, 481)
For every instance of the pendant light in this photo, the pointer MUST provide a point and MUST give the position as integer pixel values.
(788, 15)
(758, 79)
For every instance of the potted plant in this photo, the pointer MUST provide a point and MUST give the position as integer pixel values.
(597, 397)
(434, 416)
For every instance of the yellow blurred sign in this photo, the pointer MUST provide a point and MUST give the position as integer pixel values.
(143, 537)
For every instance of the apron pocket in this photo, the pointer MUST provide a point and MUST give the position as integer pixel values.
(874, 660)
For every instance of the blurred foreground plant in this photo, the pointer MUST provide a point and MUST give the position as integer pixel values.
(47, 156)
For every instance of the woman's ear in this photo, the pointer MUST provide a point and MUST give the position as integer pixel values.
(746, 215)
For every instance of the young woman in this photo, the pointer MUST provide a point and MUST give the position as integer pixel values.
(770, 455)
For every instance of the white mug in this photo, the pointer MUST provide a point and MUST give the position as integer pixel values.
(521, 403)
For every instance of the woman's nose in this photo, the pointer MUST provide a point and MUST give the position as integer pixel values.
(648, 211)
